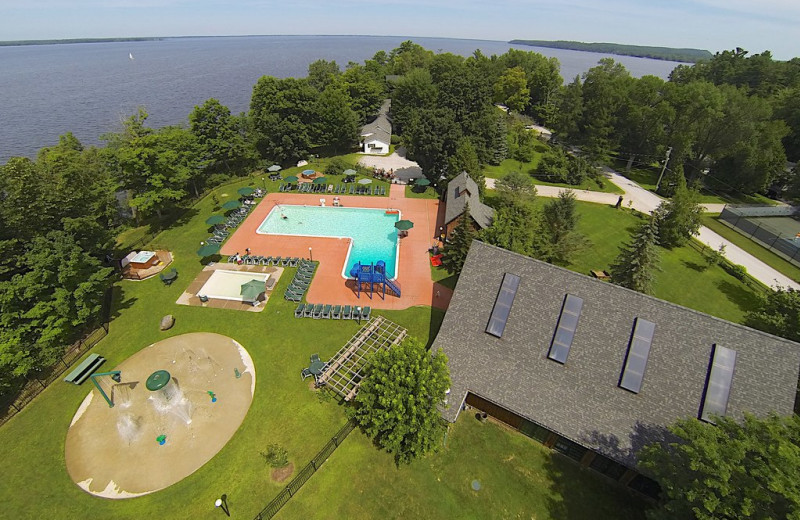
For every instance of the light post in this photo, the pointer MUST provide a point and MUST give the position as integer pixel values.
(264, 183)
(222, 503)
(310, 256)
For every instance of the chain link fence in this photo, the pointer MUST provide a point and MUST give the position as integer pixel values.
(779, 242)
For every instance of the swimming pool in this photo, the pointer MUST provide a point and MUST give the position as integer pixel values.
(372, 232)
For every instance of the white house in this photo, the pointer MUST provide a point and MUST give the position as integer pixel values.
(377, 135)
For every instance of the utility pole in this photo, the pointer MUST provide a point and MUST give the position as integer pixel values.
(666, 160)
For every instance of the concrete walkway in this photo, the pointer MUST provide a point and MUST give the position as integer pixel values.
(646, 202)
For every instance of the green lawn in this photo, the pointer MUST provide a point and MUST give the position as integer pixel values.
(519, 478)
(285, 411)
(510, 165)
(755, 249)
(415, 193)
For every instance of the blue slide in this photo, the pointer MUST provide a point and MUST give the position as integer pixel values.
(372, 274)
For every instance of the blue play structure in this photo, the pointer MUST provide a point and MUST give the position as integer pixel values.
(373, 274)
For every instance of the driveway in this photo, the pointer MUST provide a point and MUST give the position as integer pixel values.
(403, 168)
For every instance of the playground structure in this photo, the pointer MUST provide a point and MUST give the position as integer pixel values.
(372, 274)
(154, 427)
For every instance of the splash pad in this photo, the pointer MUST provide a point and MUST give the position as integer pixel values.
(163, 425)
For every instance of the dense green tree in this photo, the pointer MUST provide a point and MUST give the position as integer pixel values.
(569, 113)
(468, 95)
(338, 123)
(455, 253)
(543, 79)
(558, 239)
(778, 313)
(515, 189)
(787, 108)
(604, 93)
(678, 218)
(521, 143)
(431, 138)
(731, 470)
(643, 120)
(397, 403)
(465, 159)
(513, 228)
(322, 73)
(553, 166)
(637, 262)
(366, 89)
(218, 136)
(413, 92)
(409, 56)
(511, 89)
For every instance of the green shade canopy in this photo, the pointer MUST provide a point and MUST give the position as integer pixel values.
(245, 191)
(422, 181)
(208, 250)
(232, 204)
(320, 180)
(251, 290)
(349, 171)
(274, 168)
(213, 220)
(365, 181)
(291, 178)
(404, 225)
(157, 380)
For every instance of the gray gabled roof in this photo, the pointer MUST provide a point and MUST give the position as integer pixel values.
(381, 128)
(460, 191)
(581, 399)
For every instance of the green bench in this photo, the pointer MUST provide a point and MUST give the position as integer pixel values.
(85, 369)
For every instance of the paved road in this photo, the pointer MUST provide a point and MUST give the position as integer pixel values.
(646, 201)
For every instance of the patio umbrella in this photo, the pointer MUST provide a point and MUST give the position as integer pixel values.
(274, 168)
(245, 191)
(320, 180)
(213, 220)
(291, 178)
(422, 181)
(349, 171)
(365, 181)
(250, 290)
(404, 225)
(232, 204)
(208, 250)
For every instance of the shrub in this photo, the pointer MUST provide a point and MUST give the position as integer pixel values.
(395, 139)
(337, 166)
(737, 271)
(276, 456)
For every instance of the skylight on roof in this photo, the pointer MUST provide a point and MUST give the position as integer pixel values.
(565, 329)
(502, 305)
(638, 351)
(718, 390)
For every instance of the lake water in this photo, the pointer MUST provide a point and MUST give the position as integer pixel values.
(90, 88)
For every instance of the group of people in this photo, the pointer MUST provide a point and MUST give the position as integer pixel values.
(380, 173)
(238, 259)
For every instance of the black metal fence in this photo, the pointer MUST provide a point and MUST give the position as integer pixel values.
(304, 474)
(34, 385)
(779, 243)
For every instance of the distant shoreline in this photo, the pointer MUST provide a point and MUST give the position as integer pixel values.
(17, 43)
(638, 51)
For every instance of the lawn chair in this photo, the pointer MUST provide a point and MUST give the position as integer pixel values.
(309, 310)
(285, 261)
(267, 260)
(305, 373)
(293, 261)
(336, 314)
(277, 260)
(292, 297)
(326, 312)
(315, 358)
(170, 277)
(318, 311)
(352, 189)
(365, 313)
(298, 312)
(347, 313)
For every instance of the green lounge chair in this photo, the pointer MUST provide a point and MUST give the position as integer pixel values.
(357, 313)
(292, 297)
(326, 312)
(309, 310)
(298, 312)
(365, 313)
(318, 311)
(293, 261)
(347, 313)
(277, 260)
(336, 313)
(352, 189)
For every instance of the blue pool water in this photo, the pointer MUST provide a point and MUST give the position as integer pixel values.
(372, 231)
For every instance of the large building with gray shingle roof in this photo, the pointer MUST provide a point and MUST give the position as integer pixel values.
(376, 136)
(462, 190)
(597, 371)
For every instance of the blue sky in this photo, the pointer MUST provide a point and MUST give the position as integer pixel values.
(709, 24)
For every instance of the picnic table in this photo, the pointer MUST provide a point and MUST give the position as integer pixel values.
(316, 367)
(169, 276)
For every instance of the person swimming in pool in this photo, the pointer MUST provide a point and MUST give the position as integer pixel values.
(284, 217)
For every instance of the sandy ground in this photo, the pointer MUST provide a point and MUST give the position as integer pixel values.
(113, 452)
(404, 169)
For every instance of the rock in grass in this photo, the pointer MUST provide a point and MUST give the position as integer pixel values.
(167, 322)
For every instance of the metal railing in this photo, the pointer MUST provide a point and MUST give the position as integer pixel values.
(306, 473)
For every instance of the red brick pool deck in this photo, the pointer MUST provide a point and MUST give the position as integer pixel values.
(328, 286)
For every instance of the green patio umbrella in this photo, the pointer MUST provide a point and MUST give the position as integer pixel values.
(349, 171)
(213, 220)
(365, 181)
(251, 290)
(320, 180)
(422, 181)
(274, 168)
(291, 178)
(245, 191)
(404, 225)
(232, 204)
(208, 250)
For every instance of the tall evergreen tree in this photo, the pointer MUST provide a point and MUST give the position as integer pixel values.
(678, 218)
(558, 240)
(636, 264)
(456, 251)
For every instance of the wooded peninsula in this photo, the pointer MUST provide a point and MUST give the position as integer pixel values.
(79, 40)
(639, 51)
